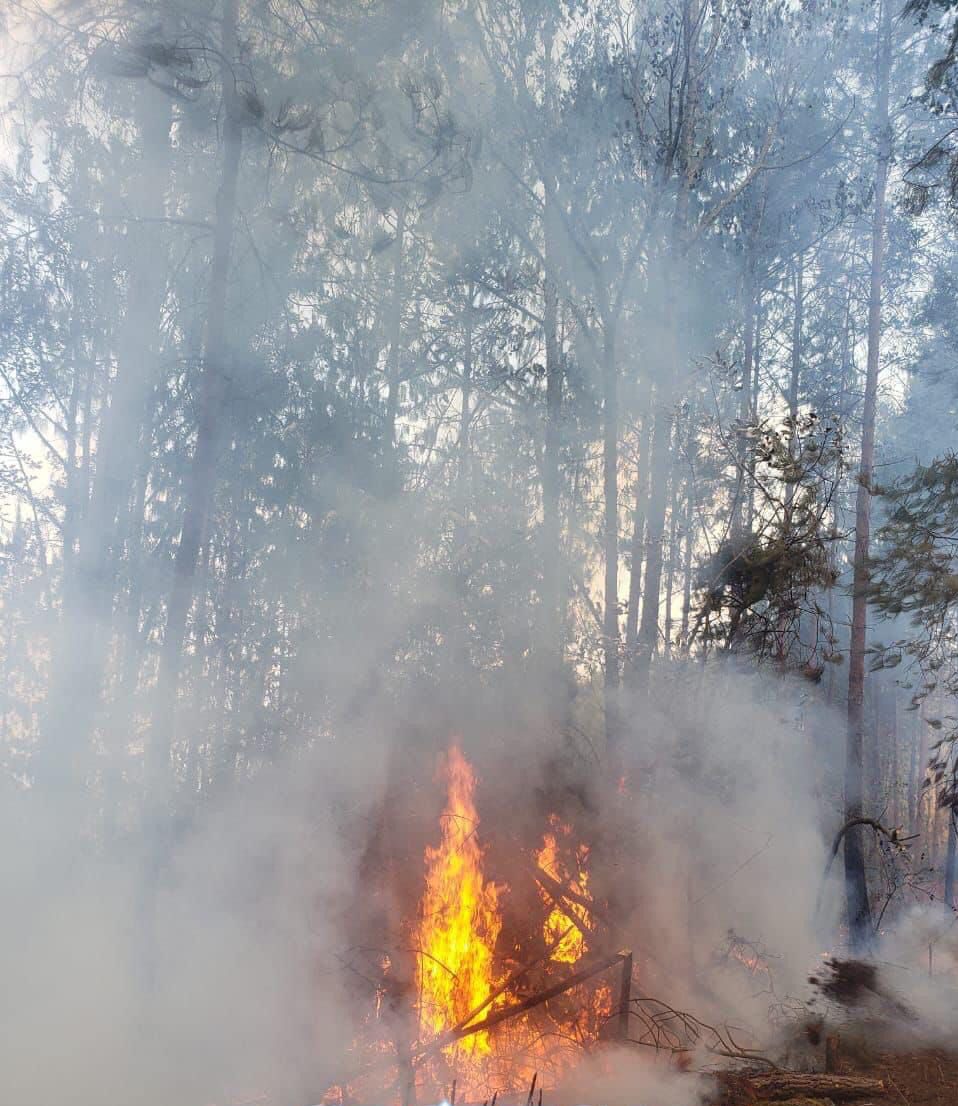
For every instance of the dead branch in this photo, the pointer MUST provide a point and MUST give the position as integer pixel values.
(666, 1029)
(891, 834)
(513, 980)
(559, 891)
(529, 1003)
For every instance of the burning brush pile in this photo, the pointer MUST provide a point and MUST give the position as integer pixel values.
(473, 1001)
(493, 985)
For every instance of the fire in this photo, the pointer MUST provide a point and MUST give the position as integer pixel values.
(460, 979)
(560, 925)
(459, 920)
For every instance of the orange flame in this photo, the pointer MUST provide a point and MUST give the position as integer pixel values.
(572, 944)
(457, 971)
(459, 920)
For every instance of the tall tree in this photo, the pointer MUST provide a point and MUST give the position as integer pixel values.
(856, 885)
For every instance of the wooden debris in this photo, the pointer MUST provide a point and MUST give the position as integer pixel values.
(780, 1086)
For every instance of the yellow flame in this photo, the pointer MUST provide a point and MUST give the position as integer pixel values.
(458, 928)
(459, 919)
(572, 945)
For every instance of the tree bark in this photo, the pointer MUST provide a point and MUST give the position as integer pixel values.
(951, 859)
(753, 407)
(856, 885)
(395, 342)
(212, 393)
(81, 653)
(794, 377)
(781, 1085)
(465, 407)
(670, 574)
(648, 638)
(637, 545)
(688, 527)
(914, 772)
(552, 575)
(741, 521)
(610, 486)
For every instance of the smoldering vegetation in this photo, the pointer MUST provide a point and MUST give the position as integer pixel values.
(477, 498)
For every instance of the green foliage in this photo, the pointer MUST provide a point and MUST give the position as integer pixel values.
(915, 576)
(762, 587)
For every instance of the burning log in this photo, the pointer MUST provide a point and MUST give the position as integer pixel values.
(529, 1003)
(562, 895)
(418, 1056)
(779, 1086)
(512, 980)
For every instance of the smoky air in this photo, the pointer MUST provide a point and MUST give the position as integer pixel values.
(478, 552)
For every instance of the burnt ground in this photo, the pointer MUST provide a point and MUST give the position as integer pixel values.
(919, 1078)
(925, 1078)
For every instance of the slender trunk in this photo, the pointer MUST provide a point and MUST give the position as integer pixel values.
(872, 751)
(951, 859)
(71, 507)
(553, 563)
(914, 774)
(202, 475)
(552, 575)
(81, 654)
(753, 406)
(832, 685)
(637, 544)
(794, 379)
(130, 652)
(610, 483)
(856, 886)
(648, 638)
(741, 522)
(670, 575)
(395, 339)
(894, 771)
(689, 527)
(465, 407)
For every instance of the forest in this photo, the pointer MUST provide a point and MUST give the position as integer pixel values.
(478, 552)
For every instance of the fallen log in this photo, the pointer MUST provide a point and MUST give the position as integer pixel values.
(777, 1086)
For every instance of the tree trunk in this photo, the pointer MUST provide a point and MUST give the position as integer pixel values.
(670, 575)
(648, 638)
(552, 575)
(756, 388)
(637, 545)
(856, 886)
(741, 521)
(951, 859)
(794, 378)
(914, 773)
(71, 506)
(395, 343)
(465, 407)
(81, 654)
(212, 386)
(894, 757)
(689, 528)
(610, 484)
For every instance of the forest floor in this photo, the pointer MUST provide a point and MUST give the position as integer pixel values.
(920, 1078)
(923, 1077)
